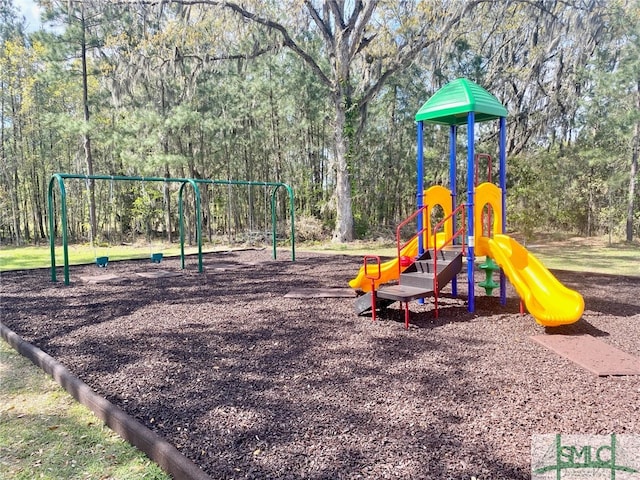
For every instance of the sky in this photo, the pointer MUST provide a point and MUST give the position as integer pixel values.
(31, 12)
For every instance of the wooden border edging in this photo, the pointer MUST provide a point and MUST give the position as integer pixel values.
(157, 448)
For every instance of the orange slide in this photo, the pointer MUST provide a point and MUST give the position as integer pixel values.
(549, 301)
(388, 270)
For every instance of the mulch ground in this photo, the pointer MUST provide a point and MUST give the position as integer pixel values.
(250, 384)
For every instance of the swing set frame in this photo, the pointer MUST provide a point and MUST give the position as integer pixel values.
(59, 178)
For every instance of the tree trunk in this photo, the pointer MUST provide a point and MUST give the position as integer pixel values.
(343, 231)
(15, 177)
(86, 139)
(15, 208)
(11, 172)
(633, 172)
(166, 193)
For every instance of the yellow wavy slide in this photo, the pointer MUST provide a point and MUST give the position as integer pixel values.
(549, 301)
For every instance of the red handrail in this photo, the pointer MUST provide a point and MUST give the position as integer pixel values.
(399, 227)
(477, 162)
(366, 263)
(437, 249)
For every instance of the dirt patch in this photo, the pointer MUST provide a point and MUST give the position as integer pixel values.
(250, 384)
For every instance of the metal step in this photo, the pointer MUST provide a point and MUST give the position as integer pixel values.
(423, 277)
(428, 266)
(413, 267)
(449, 272)
(417, 279)
(447, 253)
(403, 293)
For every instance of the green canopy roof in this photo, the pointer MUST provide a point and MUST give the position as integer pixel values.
(451, 104)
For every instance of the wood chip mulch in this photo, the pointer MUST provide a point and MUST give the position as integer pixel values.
(252, 385)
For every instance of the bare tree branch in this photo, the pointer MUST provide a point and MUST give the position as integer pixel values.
(359, 24)
(410, 52)
(288, 41)
(325, 30)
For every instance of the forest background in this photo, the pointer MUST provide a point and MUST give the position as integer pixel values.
(321, 96)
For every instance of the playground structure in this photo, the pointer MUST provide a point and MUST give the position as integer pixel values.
(102, 261)
(432, 258)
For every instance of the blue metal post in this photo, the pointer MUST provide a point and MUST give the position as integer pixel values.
(453, 132)
(470, 200)
(420, 186)
(503, 188)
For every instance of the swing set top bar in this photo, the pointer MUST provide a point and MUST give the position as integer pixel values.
(170, 180)
(121, 177)
(276, 186)
(59, 178)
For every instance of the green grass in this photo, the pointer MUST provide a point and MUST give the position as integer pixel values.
(21, 258)
(592, 254)
(384, 249)
(46, 434)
